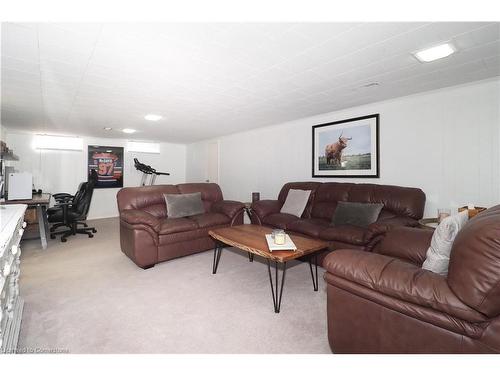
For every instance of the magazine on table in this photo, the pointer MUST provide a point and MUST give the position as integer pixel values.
(288, 245)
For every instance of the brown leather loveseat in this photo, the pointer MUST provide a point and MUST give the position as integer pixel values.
(403, 206)
(148, 236)
(383, 302)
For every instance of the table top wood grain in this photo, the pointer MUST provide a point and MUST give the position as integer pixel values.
(43, 199)
(252, 238)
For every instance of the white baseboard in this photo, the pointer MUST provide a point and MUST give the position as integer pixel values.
(101, 217)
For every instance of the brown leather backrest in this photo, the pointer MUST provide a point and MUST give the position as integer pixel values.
(210, 193)
(474, 270)
(401, 201)
(300, 186)
(151, 199)
(397, 200)
(146, 198)
(326, 198)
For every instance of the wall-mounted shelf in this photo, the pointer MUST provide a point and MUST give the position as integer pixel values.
(9, 156)
(6, 153)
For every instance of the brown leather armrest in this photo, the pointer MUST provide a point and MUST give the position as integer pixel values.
(406, 243)
(140, 217)
(266, 207)
(228, 208)
(397, 279)
(382, 226)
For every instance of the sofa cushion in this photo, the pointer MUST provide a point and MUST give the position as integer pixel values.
(295, 202)
(344, 233)
(438, 254)
(311, 186)
(310, 227)
(183, 205)
(326, 198)
(210, 192)
(354, 213)
(399, 200)
(279, 220)
(210, 219)
(176, 225)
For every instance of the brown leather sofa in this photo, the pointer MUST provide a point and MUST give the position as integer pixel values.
(383, 302)
(148, 236)
(403, 206)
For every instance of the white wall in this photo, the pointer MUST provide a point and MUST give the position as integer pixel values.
(445, 142)
(62, 171)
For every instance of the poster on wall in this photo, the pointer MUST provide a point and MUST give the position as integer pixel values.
(108, 162)
(347, 148)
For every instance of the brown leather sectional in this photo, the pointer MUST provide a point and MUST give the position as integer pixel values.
(403, 206)
(383, 302)
(148, 236)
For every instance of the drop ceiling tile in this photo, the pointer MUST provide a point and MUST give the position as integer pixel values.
(77, 43)
(320, 30)
(215, 78)
(482, 35)
(20, 65)
(493, 63)
(55, 53)
(19, 42)
(82, 29)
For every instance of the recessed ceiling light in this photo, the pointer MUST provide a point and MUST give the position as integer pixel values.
(107, 128)
(435, 53)
(129, 131)
(152, 117)
(373, 84)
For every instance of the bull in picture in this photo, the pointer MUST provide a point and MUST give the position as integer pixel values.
(333, 152)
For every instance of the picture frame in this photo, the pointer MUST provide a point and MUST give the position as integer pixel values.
(347, 149)
(108, 162)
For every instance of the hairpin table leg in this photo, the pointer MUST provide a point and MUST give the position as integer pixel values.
(314, 274)
(274, 288)
(217, 253)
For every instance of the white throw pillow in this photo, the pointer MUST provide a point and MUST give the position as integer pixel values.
(438, 254)
(295, 202)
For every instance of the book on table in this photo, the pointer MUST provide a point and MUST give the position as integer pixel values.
(288, 245)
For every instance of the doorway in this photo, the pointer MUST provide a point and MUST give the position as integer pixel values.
(213, 162)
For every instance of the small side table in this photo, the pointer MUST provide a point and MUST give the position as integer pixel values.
(430, 222)
(248, 209)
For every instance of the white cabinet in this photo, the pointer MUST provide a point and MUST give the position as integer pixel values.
(11, 304)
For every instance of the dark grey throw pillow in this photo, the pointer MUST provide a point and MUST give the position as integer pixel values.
(358, 214)
(182, 205)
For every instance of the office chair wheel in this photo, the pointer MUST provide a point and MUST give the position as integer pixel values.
(63, 239)
(94, 230)
(91, 235)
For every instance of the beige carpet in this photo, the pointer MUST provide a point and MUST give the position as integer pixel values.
(85, 296)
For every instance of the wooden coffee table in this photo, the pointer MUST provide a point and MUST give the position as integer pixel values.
(251, 238)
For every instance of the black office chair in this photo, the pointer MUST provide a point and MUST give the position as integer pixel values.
(71, 211)
(64, 198)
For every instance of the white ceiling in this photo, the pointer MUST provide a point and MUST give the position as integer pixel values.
(210, 79)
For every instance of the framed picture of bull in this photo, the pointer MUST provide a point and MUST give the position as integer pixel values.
(347, 148)
(108, 162)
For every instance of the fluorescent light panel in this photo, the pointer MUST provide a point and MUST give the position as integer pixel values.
(129, 131)
(55, 142)
(153, 117)
(147, 147)
(435, 53)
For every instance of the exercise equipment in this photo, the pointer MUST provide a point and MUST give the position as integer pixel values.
(147, 170)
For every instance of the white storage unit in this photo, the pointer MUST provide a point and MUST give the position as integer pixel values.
(11, 304)
(20, 186)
